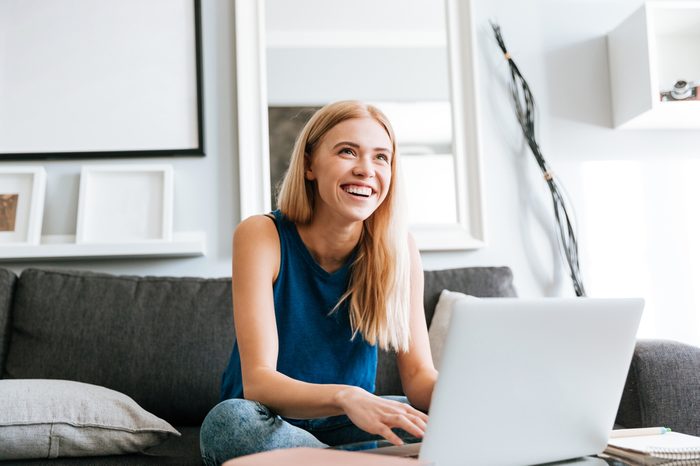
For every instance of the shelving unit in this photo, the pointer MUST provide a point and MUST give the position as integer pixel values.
(656, 46)
(64, 247)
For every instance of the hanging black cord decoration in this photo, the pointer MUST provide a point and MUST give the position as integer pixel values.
(525, 112)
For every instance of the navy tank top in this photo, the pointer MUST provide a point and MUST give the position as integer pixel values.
(315, 344)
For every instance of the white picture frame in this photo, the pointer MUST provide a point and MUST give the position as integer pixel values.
(125, 204)
(22, 212)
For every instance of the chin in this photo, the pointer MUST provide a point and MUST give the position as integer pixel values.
(357, 215)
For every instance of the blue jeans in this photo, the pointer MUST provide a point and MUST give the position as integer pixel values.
(240, 427)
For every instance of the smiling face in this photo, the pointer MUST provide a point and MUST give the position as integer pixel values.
(351, 167)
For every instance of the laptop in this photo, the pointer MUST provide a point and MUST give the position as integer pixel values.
(528, 381)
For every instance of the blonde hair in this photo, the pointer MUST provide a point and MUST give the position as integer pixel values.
(379, 289)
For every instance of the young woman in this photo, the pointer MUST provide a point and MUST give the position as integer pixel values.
(317, 286)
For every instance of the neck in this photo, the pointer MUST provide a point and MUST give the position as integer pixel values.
(330, 243)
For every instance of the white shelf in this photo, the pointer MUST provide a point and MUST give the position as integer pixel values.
(63, 247)
(652, 49)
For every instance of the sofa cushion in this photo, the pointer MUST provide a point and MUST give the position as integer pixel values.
(476, 281)
(663, 387)
(7, 287)
(162, 341)
(53, 418)
(482, 282)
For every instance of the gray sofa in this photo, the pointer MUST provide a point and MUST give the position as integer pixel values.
(164, 342)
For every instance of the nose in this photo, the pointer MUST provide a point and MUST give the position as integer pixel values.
(363, 167)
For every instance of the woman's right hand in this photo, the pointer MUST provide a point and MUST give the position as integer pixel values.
(378, 415)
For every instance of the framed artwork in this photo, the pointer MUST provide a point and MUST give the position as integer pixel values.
(100, 79)
(125, 204)
(22, 191)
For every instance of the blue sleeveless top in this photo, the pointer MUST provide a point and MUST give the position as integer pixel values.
(314, 344)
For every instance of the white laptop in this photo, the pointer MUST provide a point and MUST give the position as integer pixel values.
(528, 381)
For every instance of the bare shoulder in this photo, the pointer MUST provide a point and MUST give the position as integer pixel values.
(256, 244)
(258, 227)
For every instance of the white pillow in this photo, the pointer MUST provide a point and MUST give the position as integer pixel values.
(441, 322)
(51, 418)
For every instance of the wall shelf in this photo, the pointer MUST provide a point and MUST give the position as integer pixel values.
(63, 247)
(648, 52)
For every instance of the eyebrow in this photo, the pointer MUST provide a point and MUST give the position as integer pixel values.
(357, 146)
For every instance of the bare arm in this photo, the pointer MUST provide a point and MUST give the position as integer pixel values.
(418, 374)
(256, 260)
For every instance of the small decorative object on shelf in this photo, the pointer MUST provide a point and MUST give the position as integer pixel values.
(525, 112)
(125, 204)
(21, 205)
(682, 90)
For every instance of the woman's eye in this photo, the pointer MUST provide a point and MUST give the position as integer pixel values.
(383, 157)
(347, 151)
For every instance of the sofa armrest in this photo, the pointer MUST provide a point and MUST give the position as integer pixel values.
(663, 387)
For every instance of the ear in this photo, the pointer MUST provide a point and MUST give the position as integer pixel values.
(308, 173)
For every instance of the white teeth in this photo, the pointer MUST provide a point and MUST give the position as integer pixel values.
(361, 190)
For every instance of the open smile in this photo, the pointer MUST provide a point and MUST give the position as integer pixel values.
(358, 190)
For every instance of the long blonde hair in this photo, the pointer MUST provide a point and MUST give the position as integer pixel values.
(379, 289)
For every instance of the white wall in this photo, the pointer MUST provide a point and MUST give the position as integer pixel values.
(633, 190)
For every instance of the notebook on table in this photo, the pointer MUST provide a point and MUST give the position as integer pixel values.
(667, 449)
(528, 381)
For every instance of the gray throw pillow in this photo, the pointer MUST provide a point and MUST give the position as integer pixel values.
(50, 418)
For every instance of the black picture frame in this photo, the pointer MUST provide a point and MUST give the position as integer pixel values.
(175, 151)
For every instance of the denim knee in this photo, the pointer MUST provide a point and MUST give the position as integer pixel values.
(240, 427)
(226, 431)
